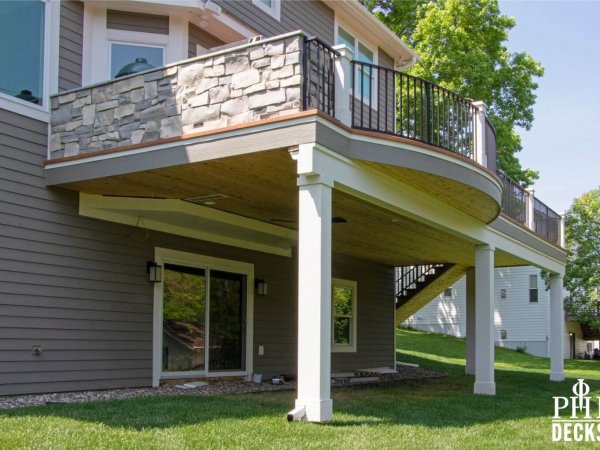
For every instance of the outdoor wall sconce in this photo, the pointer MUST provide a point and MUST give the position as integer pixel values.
(503, 334)
(261, 287)
(502, 293)
(154, 272)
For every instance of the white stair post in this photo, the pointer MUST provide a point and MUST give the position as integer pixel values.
(557, 323)
(470, 337)
(484, 320)
(479, 119)
(314, 291)
(343, 84)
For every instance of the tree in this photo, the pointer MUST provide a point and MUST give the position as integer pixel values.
(582, 278)
(461, 46)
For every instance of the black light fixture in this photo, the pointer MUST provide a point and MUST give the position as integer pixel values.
(502, 293)
(261, 287)
(154, 272)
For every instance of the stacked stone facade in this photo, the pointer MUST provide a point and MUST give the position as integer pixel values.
(213, 91)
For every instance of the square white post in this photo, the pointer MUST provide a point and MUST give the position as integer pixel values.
(484, 320)
(470, 337)
(530, 210)
(343, 83)
(479, 119)
(314, 300)
(557, 323)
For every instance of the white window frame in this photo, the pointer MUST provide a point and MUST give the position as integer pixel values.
(274, 11)
(50, 69)
(358, 38)
(168, 256)
(97, 39)
(351, 347)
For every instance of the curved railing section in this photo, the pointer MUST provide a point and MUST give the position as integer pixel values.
(523, 207)
(388, 101)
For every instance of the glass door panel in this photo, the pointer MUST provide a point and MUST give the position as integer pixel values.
(227, 321)
(184, 319)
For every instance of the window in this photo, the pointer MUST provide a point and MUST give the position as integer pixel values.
(22, 29)
(364, 77)
(272, 7)
(533, 289)
(124, 54)
(448, 293)
(344, 315)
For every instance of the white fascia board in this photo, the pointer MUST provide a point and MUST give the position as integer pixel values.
(367, 183)
(123, 210)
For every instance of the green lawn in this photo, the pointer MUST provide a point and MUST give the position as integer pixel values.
(439, 413)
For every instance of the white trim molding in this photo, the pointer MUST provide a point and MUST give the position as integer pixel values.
(274, 10)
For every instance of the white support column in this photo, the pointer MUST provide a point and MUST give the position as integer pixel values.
(343, 84)
(557, 323)
(562, 230)
(484, 320)
(314, 299)
(470, 338)
(479, 119)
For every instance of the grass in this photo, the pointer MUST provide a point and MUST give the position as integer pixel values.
(432, 414)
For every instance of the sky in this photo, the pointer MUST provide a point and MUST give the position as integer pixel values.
(564, 142)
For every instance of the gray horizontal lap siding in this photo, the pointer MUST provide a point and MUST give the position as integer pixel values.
(78, 287)
(133, 21)
(70, 45)
(312, 16)
(197, 36)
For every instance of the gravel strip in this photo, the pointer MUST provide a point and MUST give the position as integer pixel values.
(212, 388)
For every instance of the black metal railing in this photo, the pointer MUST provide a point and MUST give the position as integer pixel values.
(408, 277)
(490, 146)
(514, 198)
(388, 101)
(546, 222)
(319, 76)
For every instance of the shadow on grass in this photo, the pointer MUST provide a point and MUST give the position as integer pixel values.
(433, 403)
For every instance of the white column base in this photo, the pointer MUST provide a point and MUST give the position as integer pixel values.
(484, 388)
(317, 410)
(557, 376)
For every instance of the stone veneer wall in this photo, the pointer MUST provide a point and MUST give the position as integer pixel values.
(213, 91)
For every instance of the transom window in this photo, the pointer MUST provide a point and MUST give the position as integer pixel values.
(22, 25)
(344, 315)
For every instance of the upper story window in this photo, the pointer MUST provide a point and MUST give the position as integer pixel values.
(22, 28)
(272, 7)
(128, 58)
(344, 315)
(364, 78)
(533, 289)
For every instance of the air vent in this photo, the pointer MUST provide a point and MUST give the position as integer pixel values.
(206, 199)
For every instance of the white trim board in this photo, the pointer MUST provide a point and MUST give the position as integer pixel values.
(195, 221)
(162, 255)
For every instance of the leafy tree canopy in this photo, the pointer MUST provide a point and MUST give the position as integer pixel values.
(461, 45)
(582, 279)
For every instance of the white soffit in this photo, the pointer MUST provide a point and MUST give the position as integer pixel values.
(190, 220)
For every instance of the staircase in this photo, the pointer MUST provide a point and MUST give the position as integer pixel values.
(418, 285)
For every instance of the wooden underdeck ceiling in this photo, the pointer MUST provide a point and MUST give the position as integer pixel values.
(263, 187)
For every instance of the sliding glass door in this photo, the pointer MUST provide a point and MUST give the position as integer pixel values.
(203, 326)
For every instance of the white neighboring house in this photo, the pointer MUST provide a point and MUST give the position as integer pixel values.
(521, 314)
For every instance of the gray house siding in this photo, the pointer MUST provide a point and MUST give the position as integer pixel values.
(130, 21)
(312, 16)
(197, 36)
(70, 45)
(78, 287)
